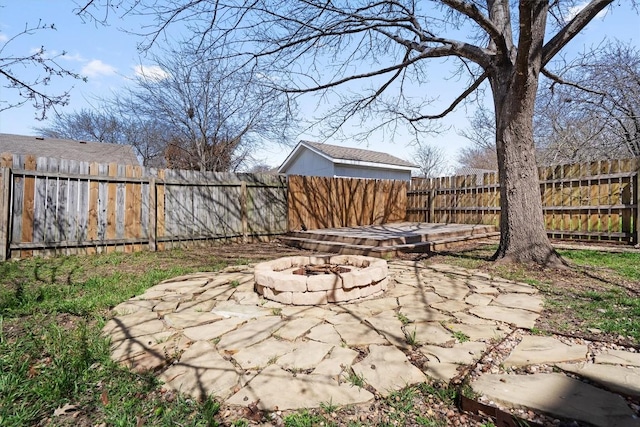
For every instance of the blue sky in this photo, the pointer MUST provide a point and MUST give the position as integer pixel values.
(108, 57)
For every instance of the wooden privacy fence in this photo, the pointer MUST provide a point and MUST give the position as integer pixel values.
(323, 202)
(597, 200)
(52, 206)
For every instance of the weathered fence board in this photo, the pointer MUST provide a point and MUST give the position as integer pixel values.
(28, 209)
(50, 206)
(322, 202)
(5, 204)
(83, 207)
(597, 200)
(17, 204)
(266, 204)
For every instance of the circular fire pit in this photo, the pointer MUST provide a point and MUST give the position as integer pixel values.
(321, 279)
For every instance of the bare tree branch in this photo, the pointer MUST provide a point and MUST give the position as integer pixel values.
(570, 30)
(29, 90)
(557, 79)
(472, 11)
(455, 102)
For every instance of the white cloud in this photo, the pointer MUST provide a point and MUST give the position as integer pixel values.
(3, 38)
(153, 72)
(574, 10)
(96, 67)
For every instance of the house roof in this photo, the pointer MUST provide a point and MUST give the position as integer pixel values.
(466, 170)
(68, 149)
(346, 155)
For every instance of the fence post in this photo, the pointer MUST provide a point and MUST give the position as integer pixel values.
(288, 202)
(636, 220)
(432, 201)
(5, 202)
(153, 214)
(243, 210)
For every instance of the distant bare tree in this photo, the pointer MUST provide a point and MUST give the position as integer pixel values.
(216, 114)
(430, 159)
(568, 134)
(46, 68)
(106, 125)
(261, 168)
(185, 112)
(482, 129)
(481, 154)
(592, 110)
(84, 125)
(473, 156)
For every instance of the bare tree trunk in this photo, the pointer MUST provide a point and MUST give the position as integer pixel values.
(523, 237)
(514, 84)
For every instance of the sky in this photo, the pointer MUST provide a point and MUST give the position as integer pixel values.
(109, 58)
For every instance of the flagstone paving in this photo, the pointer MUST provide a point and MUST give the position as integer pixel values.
(559, 395)
(211, 334)
(386, 369)
(535, 350)
(626, 381)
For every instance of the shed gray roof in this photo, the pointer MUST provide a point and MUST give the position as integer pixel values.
(68, 149)
(358, 154)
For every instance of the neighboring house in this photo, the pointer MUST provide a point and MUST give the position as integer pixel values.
(68, 149)
(316, 159)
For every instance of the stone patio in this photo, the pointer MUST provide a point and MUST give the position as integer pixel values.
(210, 333)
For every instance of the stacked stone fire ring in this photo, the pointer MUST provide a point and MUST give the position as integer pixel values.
(318, 280)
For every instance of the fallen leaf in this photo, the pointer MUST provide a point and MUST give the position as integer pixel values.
(67, 408)
(32, 371)
(104, 398)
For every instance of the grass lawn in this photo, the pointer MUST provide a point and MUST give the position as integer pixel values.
(55, 367)
(52, 358)
(597, 297)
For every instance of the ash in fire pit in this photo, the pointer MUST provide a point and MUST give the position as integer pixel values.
(313, 270)
(321, 279)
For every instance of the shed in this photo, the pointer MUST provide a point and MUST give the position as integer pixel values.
(68, 149)
(318, 159)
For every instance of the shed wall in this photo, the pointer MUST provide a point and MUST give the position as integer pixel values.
(348, 171)
(308, 163)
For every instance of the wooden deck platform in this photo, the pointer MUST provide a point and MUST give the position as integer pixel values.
(388, 239)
